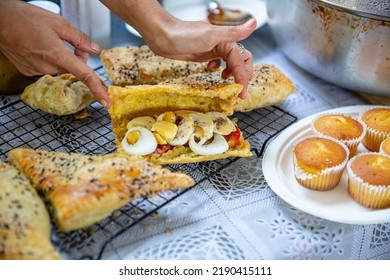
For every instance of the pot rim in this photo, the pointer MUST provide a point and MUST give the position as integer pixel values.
(356, 10)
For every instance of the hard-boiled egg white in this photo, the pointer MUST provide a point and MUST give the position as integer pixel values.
(167, 116)
(144, 145)
(219, 145)
(145, 122)
(222, 124)
(206, 123)
(167, 130)
(184, 131)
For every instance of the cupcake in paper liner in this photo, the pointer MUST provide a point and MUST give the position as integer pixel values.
(369, 180)
(342, 127)
(384, 148)
(377, 120)
(319, 162)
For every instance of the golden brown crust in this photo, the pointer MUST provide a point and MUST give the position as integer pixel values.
(59, 95)
(369, 181)
(131, 65)
(24, 221)
(339, 126)
(193, 93)
(148, 100)
(378, 119)
(315, 154)
(84, 189)
(268, 86)
(372, 168)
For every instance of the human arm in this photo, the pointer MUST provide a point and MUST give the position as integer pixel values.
(34, 40)
(189, 40)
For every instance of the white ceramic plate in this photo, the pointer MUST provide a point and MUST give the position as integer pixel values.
(196, 10)
(335, 205)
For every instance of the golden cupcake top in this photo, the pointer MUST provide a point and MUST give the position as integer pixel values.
(339, 126)
(378, 119)
(372, 168)
(385, 146)
(314, 154)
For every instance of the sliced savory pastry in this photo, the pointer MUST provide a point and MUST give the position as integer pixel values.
(178, 121)
(198, 94)
(24, 221)
(84, 189)
(182, 137)
(58, 95)
(132, 65)
(268, 86)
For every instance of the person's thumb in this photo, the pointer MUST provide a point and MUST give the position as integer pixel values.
(235, 33)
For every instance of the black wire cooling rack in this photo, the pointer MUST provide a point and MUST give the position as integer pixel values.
(22, 126)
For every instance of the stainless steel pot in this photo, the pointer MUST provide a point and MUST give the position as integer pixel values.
(346, 42)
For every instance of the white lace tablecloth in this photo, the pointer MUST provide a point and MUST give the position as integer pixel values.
(246, 220)
(235, 215)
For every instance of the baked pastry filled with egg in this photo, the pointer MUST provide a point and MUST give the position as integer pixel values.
(177, 123)
(183, 136)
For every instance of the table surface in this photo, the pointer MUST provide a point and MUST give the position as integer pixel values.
(236, 215)
(248, 221)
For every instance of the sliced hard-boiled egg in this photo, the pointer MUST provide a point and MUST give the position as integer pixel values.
(205, 122)
(219, 145)
(167, 116)
(145, 122)
(142, 141)
(165, 129)
(222, 124)
(184, 131)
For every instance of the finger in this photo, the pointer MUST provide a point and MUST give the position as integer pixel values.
(77, 38)
(83, 56)
(238, 64)
(214, 64)
(232, 33)
(85, 74)
(226, 73)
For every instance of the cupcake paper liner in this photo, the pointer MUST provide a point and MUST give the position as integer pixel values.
(366, 194)
(373, 138)
(381, 147)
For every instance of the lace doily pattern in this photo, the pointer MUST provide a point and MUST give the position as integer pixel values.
(206, 244)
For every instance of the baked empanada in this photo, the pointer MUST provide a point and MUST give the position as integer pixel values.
(84, 189)
(132, 65)
(59, 95)
(24, 221)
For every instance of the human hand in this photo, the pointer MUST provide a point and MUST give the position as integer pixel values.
(34, 40)
(201, 41)
(197, 41)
